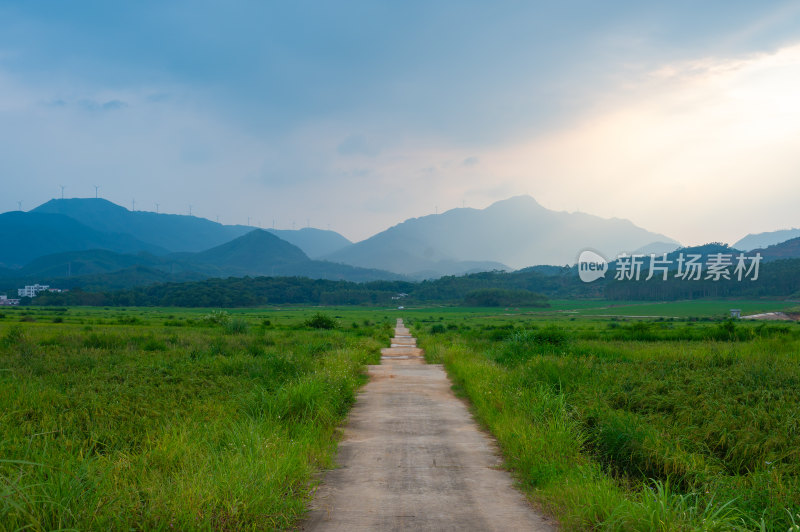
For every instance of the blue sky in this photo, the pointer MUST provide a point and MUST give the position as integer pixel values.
(357, 115)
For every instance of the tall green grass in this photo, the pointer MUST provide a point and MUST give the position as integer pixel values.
(218, 426)
(625, 432)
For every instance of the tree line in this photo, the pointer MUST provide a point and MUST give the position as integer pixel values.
(527, 287)
(255, 291)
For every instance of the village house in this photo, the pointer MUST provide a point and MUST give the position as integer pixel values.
(6, 302)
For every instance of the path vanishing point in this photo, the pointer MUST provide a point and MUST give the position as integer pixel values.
(412, 458)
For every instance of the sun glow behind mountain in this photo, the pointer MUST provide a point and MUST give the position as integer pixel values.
(715, 137)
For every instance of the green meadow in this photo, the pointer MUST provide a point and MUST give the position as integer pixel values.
(610, 415)
(167, 419)
(681, 421)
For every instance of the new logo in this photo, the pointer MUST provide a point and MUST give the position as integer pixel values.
(591, 266)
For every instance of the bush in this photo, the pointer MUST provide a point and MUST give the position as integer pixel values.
(498, 334)
(216, 317)
(320, 321)
(153, 344)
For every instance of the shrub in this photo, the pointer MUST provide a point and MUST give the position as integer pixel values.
(726, 330)
(216, 317)
(320, 321)
(153, 344)
(498, 335)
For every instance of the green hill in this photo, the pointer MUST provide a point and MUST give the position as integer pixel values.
(173, 232)
(254, 254)
(257, 252)
(178, 232)
(785, 250)
(25, 236)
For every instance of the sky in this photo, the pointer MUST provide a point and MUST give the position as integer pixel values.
(683, 117)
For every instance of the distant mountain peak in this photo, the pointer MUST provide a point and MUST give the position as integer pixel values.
(257, 236)
(523, 201)
(59, 204)
(517, 232)
(253, 251)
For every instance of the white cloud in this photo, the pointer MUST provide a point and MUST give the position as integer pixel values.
(701, 150)
(705, 150)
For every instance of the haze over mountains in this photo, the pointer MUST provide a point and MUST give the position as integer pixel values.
(257, 253)
(99, 243)
(763, 240)
(516, 232)
(176, 232)
(93, 238)
(25, 236)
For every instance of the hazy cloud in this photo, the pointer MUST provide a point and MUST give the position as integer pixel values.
(280, 110)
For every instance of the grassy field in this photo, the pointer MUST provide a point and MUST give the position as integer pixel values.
(636, 424)
(604, 310)
(678, 309)
(197, 419)
(168, 419)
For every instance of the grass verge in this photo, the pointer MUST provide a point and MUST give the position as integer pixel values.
(626, 434)
(213, 427)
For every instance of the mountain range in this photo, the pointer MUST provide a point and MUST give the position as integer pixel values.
(25, 236)
(97, 243)
(176, 232)
(513, 233)
(763, 240)
(257, 253)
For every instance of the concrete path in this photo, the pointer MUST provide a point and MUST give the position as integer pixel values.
(412, 458)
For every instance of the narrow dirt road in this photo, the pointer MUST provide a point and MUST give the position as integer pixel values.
(412, 458)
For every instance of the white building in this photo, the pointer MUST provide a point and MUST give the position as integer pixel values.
(32, 290)
(5, 302)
